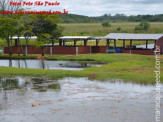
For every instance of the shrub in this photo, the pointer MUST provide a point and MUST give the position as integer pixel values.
(106, 24)
(143, 26)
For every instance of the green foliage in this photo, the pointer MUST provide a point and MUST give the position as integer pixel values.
(27, 24)
(143, 26)
(17, 57)
(7, 27)
(42, 39)
(106, 24)
(47, 24)
(72, 18)
(119, 28)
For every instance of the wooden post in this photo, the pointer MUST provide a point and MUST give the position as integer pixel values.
(63, 42)
(124, 44)
(52, 43)
(146, 44)
(74, 42)
(97, 41)
(108, 43)
(60, 42)
(130, 45)
(16, 42)
(114, 46)
(155, 45)
(85, 42)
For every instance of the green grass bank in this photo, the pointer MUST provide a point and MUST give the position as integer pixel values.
(129, 67)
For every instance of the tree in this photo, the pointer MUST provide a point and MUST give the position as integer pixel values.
(19, 29)
(46, 24)
(8, 23)
(5, 5)
(42, 40)
(106, 24)
(27, 24)
(143, 26)
(7, 30)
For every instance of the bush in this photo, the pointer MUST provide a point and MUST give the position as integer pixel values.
(119, 28)
(143, 26)
(106, 24)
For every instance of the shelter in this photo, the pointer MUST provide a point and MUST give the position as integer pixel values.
(74, 38)
(156, 38)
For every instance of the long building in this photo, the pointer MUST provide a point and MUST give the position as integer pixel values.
(73, 49)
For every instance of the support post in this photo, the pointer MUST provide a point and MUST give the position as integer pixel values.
(85, 42)
(77, 50)
(52, 43)
(130, 45)
(60, 42)
(114, 46)
(155, 45)
(51, 50)
(124, 44)
(74, 42)
(63, 42)
(108, 43)
(16, 42)
(97, 41)
(26, 50)
(146, 44)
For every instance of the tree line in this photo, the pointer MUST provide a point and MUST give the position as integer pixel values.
(44, 27)
(72, 18)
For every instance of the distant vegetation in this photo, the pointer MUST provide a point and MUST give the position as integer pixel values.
(143, 26)
(72, 18)
(106, 24)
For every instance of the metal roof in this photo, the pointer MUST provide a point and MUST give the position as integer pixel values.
(99, 38)
(33, 37)
(131, 36)
(74, 37)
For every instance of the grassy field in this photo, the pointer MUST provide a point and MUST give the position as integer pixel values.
(129, 67)
(95, 29)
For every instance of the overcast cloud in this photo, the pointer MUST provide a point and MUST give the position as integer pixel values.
(100, 7)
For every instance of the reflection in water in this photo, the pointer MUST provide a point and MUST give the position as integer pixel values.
(44, 85)
(12, 89)
(37, 83)
(10, 63)
(43, 64)
(9, 84)
(25, 63)
(46, 64)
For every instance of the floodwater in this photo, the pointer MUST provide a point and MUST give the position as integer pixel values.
(75, 100)
(47, 64)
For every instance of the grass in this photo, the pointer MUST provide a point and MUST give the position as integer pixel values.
(95, 29)
(129, 67)
(18, 57)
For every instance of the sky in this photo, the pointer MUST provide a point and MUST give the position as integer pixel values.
(101, 7)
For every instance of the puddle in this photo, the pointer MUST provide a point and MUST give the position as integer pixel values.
(46, 64)
(75, 99)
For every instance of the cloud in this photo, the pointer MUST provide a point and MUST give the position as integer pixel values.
(100, 7)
